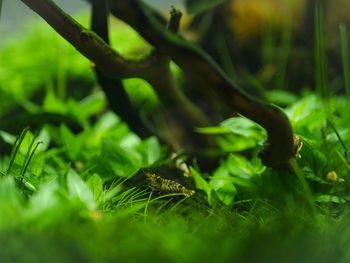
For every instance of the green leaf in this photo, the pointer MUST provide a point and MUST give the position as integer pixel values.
(54, 104)
(244, 127)
(329, 199)
(241, 167)
(71, 143)
(213, 130)
(79, 189)
(7, 137)
(234, 143)
(45, 198)
(95, 185)
(201, 184)
(150, 150)
(224, 188)
(196, 7)
(281, 97)
(116, 160)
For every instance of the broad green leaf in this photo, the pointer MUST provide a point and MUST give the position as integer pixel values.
(201, 184)
(89, 106)
(329, 199)
(7, 137)
(79, 189)
(242, 167)
(281, 97)
(196, 7)
(244, 127)
(45, 198)
(239, 171)
(71, 143)
(234, 143)
(120, 162)
(308, 116)
(141, 94)
(95, 185)
(151, 151)
(224, 188)
(54, 104)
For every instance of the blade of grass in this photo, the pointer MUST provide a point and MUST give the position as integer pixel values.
(305, 185)
(28, 161)
(345, 58)
(15, 148)
(28, 152)
(338, 136)
(320, 57)
(345, 161)
(285, 49)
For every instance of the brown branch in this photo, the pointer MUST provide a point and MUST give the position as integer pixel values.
(195, 62)
(154, 68)
(88, 43)
(188, 56)
(116, 95)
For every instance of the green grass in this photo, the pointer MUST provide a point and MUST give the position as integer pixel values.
(78, 201)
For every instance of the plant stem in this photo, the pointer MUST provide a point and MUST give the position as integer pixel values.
(320, 58)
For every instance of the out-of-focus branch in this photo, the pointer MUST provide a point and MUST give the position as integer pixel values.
(195, 62)
(116, 95)
(87, 42)
(154, 68)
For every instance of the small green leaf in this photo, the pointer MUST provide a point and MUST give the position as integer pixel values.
(330, 199)
(213, 130)
(150, 150)
(7, 137)
(224, 188)
(95, 185)
(201, 184)
(120, 162)
(281, 97)
(244, 127)
(70, 142)
(79, 189)
(46, 197)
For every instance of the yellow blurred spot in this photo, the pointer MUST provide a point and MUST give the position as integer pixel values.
(96, 215)
(333, 177)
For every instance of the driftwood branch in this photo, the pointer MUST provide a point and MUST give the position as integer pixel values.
(88, 43)
(116, 95)
(154, 68)
(279, 146)
(191, 59)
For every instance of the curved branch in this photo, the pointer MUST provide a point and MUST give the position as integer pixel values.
(279, 147)
(116, 95)
(154, 68)
(88, 43)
